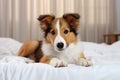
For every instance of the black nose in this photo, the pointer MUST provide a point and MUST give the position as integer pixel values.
(60, 45)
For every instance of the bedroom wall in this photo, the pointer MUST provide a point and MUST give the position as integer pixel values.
(118, 15)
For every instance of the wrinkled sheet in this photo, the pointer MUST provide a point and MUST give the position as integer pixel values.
(106, 64)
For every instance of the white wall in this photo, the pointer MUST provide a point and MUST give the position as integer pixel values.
(118, 15)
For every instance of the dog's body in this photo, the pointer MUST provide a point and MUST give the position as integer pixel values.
(60, 45)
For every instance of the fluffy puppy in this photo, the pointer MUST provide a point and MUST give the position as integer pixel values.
(61, 45)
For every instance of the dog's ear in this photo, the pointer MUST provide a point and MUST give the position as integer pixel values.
(45, 21)
(72, 19)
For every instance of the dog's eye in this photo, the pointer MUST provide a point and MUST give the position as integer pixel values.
(53, 32)
(65, 31)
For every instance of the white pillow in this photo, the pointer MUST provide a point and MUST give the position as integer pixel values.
(10, 45)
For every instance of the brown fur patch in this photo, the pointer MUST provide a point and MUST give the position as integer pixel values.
(31, 49)
(45, 21)
(72, 19)
(70, 36)
(45, 59)
(28, 48)
(50, 37)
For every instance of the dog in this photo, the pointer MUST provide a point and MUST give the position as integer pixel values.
(61, 45)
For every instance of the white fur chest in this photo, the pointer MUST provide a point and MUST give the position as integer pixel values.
(69, 54)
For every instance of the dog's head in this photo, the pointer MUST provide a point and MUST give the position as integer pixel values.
(60, 32)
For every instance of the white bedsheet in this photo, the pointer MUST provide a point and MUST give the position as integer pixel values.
(106, 65)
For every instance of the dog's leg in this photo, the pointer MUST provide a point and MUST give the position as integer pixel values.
(28, 48)
(53, 61)
(83, 61)
(45, 59)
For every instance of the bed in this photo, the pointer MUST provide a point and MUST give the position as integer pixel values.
(106, 64)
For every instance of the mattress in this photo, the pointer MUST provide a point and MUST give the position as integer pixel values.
(105, 58)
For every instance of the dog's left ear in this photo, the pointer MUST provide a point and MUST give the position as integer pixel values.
(72, 19)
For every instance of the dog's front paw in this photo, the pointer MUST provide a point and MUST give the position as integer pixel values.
(85, 62)
(58, 63)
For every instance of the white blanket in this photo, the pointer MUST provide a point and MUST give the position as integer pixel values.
(106, 65)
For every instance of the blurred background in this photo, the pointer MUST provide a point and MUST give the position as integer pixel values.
(18, 18)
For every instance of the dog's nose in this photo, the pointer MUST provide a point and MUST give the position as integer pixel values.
(60, 45)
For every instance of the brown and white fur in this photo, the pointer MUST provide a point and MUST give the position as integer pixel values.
(61, 45)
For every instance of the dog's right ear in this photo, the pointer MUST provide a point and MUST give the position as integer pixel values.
(45, 21)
